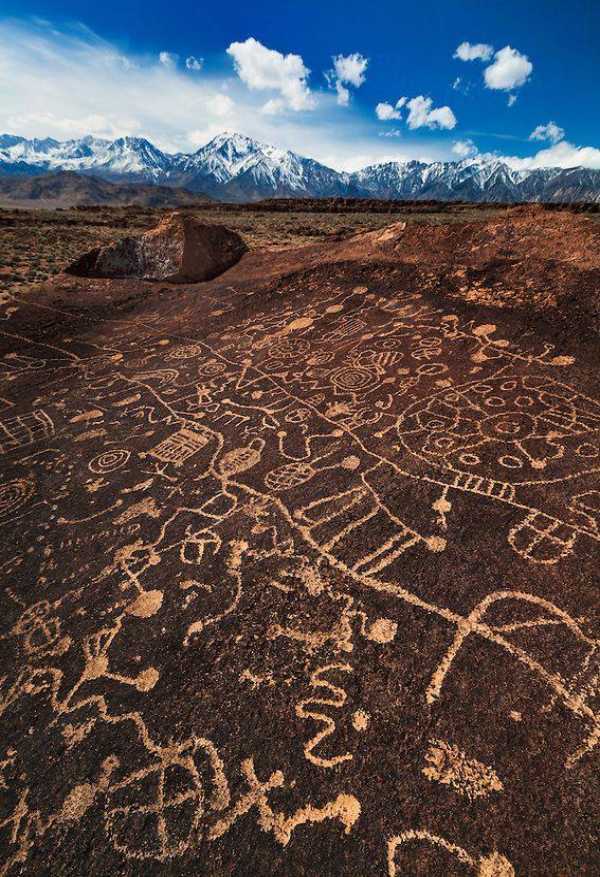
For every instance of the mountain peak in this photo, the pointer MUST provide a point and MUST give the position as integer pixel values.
(231, 143)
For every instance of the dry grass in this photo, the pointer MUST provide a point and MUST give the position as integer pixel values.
(35, 244)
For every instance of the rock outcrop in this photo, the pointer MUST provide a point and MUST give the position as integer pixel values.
(181, 249)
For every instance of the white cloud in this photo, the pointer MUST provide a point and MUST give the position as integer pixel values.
(128, 94)
(365, 157)
(563, 155)
(220, 105)
(120, 94)
(343, 94)
(347, 70)
(193, 63)
(474, 52)
(351, 69)
(421, 114)
(464, 148)
(263, 69)
(168, 59)
(509, 69)
(551, 132)
(386, 112)
(512, 99)
(273, 107)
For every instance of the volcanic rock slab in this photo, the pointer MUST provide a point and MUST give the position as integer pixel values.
(181, 249)
(300, 577)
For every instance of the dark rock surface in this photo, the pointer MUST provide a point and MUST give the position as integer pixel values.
(181, 249)
(300, 569)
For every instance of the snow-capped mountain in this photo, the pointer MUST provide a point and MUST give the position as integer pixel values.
(236, 168)
(131, 158)
(233, 167)
(477, 179)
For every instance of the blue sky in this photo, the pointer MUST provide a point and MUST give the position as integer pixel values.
(348, 83)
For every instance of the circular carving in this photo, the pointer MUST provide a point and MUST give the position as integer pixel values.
(211, 368)
(510, 462)
(108, 461)
(509, 427)
(289, 348)
(469, 459)
(186, 351)
(352, 378)
(14, 494)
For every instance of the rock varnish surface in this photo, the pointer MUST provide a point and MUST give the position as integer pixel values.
(181, 249)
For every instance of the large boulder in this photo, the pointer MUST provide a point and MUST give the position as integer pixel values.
(181, 249)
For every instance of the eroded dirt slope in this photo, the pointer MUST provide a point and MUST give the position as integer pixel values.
(300, 570)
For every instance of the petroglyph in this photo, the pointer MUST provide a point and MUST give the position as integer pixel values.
(337, 699)
(494, 865)
(446, 764)
(25, 429)
(284, 567)
(345, 809)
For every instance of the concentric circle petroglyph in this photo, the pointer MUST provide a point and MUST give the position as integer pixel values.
(15, 494)
(352, 378)
(109, 461)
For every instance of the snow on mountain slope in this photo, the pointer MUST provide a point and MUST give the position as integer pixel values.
(234, 167)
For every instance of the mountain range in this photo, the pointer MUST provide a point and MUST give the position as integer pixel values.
(236, 168)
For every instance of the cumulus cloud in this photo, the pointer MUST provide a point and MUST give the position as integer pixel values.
(386, 112)
(351, 69)
(464, 148)
(168, 59)
(510, 69)
(550, 131)
(421, 114)
(263, 69)
(193, 63)
(474, 52)
(347, 70)
(562, 154)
